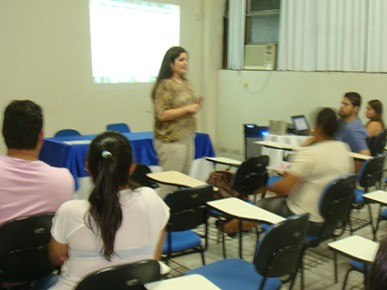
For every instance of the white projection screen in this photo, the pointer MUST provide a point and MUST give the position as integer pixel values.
(130, 38)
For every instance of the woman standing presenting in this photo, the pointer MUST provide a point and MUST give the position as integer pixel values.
(174, 108)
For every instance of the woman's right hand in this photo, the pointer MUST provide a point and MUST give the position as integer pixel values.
(193, 108)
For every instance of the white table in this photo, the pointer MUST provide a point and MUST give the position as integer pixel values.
(243, 211)
(184, 282)
(175, 178)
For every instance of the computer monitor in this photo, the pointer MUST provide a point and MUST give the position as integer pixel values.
(301, 125)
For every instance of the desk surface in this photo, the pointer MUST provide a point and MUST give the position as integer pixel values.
(288, 147)
(379, 196)
(224, 161)
(277, 145)
(184, 282)
(242, 210)
(175, 178)
(356, 247)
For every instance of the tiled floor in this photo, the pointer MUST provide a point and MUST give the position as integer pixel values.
(318, 274)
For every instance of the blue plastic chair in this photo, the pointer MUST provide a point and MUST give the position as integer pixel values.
(188, 211)
(67, 132)
(278, 253)
(118, 127)
(370, 174)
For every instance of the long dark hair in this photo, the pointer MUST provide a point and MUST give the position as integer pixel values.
(109, 160)
(165, 71)
(377, 106)
(378, 277)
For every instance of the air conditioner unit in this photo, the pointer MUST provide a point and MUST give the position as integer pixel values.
(260, 56)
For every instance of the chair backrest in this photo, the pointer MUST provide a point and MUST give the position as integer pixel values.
(279, 250)
(378, 143)
(140, 176)
(118, 127)
(371, 172)
(24, 248)
(188, 207)
(251, 175)
(335, 204)
(122, 277)
(67, 132)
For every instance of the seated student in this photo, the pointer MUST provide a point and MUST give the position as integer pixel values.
(378, 276)
(312, 167)
(374, 114)
(118, 224)
(28, 186)
(351, 130)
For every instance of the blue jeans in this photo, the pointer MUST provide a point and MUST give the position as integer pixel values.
(45, 282)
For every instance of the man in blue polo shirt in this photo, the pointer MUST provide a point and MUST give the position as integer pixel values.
(351, 130)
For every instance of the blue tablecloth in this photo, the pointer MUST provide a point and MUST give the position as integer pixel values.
(71, 152)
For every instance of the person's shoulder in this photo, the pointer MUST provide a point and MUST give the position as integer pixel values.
(74, 206)
(149, 194)
(167, 83)
(55, 171)
(374, 128)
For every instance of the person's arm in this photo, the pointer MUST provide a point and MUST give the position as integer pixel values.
(160, 244)
(284, 185)
(374, 128)
(57, 252)
(358, 163)
(173, 114)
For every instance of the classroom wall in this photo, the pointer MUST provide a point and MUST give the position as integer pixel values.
(45, 56)
(259, 96)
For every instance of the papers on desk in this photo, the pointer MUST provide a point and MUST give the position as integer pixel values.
(74, 142)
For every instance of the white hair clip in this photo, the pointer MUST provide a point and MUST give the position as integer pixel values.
(106, 154)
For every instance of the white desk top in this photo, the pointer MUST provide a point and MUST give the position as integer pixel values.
(224, 160)
(276, 145)
(379, 196)
(282, 146)
(184, 282)
(359, 156)
(356, 247)
(242, 210)
(175, 178)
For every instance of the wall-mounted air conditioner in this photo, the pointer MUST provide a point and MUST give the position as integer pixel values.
(260, 56)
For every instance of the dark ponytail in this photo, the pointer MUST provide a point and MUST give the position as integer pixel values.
(109, 160)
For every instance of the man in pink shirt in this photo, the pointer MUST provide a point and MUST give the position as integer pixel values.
(28, 186)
